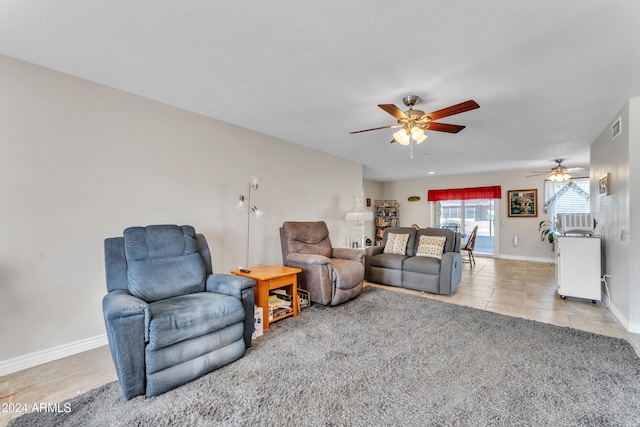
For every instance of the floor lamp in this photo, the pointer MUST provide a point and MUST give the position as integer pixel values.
(359, 214)
(245, 204)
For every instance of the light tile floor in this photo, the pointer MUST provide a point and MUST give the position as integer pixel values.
(514, 288)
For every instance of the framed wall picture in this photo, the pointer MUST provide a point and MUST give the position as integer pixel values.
(523, 203)
(603, 185)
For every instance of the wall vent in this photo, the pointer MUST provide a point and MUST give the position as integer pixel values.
(616, 128)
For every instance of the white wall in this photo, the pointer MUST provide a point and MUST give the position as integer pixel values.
(620, 157)
(79, 162)
(530, 247)
(633, 232)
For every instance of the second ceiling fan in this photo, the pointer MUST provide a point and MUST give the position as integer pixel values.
(413, 123)
(558, 173)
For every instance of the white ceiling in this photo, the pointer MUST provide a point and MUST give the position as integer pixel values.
(549, 75)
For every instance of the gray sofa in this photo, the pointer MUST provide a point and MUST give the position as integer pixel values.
(421, 273)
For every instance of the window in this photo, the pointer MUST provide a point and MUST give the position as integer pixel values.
(466, 208)
(567, 197)
(469, 211)
(451, 213)
(478, 212)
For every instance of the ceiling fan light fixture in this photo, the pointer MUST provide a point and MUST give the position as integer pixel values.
(402, 136)
(416, 133)
(422, 138)
(559, 175)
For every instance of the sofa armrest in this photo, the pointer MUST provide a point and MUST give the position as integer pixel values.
(239, 287)
(368, 253)
(248, 303)
(126, 318)
(349, 253)
(373, 250)
(309, 259)
(229, 284)
(450, 272)
(316, 276)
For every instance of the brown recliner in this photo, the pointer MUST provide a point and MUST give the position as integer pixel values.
(331, 275)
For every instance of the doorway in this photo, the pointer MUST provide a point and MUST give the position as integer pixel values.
(466, 214)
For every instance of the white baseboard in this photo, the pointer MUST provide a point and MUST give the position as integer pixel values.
(632, 327)
(38, 358)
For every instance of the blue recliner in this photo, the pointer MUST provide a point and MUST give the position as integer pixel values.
(170, 320)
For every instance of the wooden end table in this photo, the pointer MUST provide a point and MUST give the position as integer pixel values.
(270, 277)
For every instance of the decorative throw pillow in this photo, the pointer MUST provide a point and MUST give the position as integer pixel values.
(431, 246)
(396, 244)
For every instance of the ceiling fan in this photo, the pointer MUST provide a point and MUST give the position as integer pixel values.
(557, 173)
(413, 123)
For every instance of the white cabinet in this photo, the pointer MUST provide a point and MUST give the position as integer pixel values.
(578, 267)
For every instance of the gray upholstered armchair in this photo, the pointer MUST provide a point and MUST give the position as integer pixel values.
(170, 320)
(331, 275)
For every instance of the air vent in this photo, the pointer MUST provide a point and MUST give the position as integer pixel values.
(616, 128)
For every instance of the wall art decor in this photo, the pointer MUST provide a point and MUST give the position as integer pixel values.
(603, 185)
(523, 203)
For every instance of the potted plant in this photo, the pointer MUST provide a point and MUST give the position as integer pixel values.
(545, 228)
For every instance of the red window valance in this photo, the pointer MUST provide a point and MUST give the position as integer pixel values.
(494, 192)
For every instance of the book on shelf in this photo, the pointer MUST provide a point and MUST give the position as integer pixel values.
(276, 300)
(279, 311)
(279, 303)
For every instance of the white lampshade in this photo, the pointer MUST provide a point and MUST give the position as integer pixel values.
(422, 138)
(359, 212)
(402, 136)
(359, 216)
(258, 212)
(241, 204)
(559, 176)
(416, 133)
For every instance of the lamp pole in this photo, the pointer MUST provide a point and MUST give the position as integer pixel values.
(249, 210)
(253, 185)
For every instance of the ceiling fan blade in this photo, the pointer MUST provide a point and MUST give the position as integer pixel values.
(394, 111)
(367, 130)
(538, 174)
(454, 109)
(577, 169)
(444, 127)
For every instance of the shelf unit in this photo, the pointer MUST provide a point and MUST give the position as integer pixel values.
(269, 278)
(387, 215)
